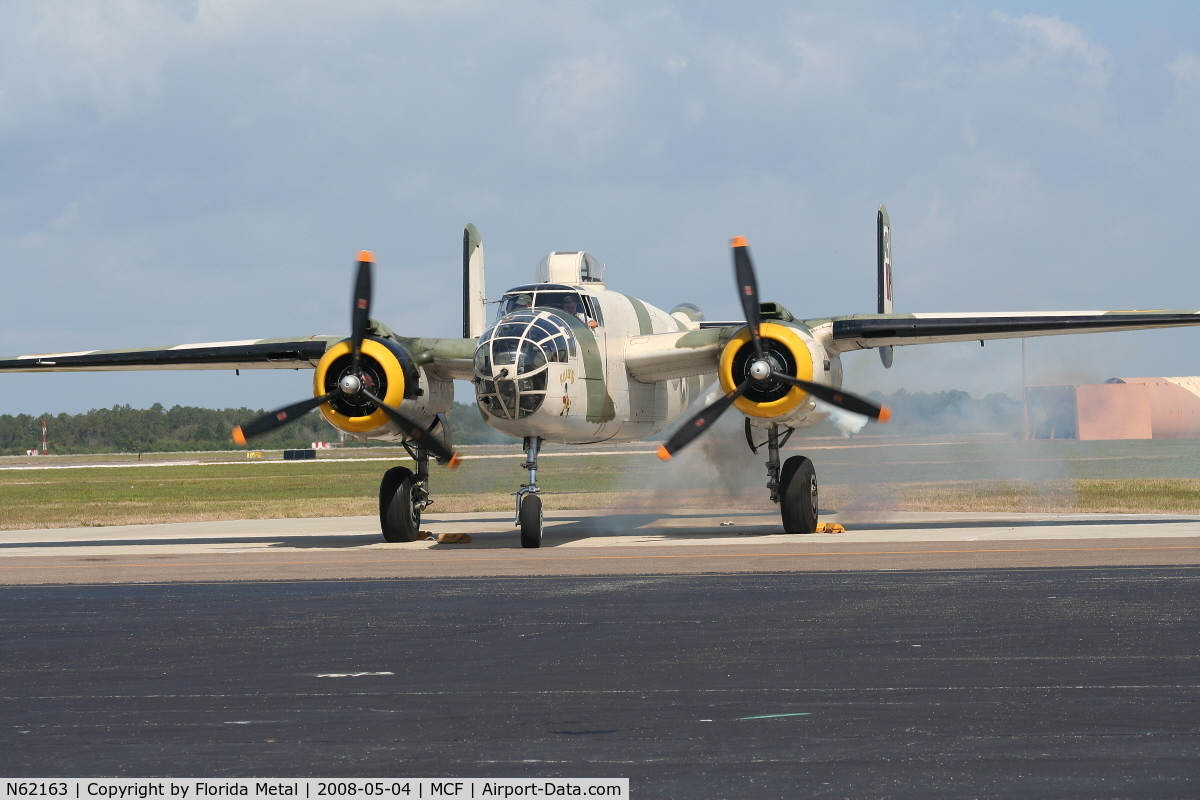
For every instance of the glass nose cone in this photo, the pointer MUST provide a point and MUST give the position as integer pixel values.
(512, 362)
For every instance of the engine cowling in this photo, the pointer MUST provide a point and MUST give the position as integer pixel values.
(789, 351)
(388, 371)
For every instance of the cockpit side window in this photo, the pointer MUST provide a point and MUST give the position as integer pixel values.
(568, 302)
(592, 309)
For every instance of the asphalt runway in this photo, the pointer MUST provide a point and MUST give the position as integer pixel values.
(960, 683)
(922, 657)
(588, 543)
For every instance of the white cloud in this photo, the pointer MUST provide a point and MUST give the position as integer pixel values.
(1186, 70)
(1058, 39)
(76, 62)
(576, 106)
(225, 159)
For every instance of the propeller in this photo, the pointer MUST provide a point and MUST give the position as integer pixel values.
(352, 383)
(761, 370)
(360, 311)
(269, 422)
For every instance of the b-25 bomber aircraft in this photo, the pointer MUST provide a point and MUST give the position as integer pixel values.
(568, 360)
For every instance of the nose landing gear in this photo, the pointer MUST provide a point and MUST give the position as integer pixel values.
(794, 487)
(529, 501)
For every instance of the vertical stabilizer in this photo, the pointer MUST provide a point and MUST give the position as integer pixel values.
(474, 295)
(883, 257)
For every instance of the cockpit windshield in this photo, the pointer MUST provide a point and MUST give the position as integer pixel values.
(561, 298)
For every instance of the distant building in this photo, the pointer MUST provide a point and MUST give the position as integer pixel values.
(1119, 408)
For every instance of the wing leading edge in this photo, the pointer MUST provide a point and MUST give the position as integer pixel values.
(881, 330)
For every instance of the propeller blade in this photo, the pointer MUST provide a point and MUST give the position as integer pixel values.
(360, 312)
(699, 423)
(747, 289)
(840, 398)
(275, 419)
(425, 439)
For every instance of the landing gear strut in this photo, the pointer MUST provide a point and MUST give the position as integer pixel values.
(403, 495)
(794, 487)
(529, 501)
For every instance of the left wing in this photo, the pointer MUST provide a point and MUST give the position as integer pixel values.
(299, 353)
(663, 356)
(861, 331)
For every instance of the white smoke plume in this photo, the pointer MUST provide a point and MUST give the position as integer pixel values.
(847, 422)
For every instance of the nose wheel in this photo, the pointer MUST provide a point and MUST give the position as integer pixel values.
(530, 520)
(529, 502)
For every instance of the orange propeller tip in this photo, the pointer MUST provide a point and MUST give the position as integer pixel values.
(238, 436)
(739, 241)
(885, 414)
(454, 461)
(663, 453)
(366, 255)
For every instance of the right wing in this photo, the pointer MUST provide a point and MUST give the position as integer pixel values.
(447, 359)
(299, 353)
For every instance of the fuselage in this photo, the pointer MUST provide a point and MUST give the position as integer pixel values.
(553, 366)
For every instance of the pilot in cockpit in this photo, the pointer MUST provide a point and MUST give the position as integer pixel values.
(570, 304)
(566, 301)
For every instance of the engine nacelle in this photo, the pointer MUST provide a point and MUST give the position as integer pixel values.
(389, 372)
(790, 350)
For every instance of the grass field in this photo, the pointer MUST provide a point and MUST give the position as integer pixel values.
(861, 478)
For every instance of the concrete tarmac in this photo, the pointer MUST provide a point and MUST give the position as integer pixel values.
(589, 542)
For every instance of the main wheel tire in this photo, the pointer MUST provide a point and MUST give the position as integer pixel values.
(798, 495)
(398, 518)
(531, 521)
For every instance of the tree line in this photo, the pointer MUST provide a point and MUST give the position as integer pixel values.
(124, 429)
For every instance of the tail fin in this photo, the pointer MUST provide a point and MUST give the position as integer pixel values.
(883, 257)
(474, 296)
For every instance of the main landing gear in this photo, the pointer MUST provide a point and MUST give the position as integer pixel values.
(403, 495)
(529, 501)
(794, 487)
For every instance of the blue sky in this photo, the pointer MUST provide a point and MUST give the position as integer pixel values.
(195, 171)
